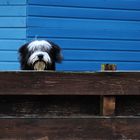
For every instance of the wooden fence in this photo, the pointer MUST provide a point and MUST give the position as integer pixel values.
(69, 105)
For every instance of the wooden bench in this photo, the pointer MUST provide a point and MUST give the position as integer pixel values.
(69, 105)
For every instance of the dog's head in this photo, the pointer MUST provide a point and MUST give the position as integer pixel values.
(39, 55)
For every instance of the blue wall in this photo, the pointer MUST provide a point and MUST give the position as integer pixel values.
(12, 32)
(90, 32)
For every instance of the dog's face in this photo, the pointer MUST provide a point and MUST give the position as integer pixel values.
(39, 55)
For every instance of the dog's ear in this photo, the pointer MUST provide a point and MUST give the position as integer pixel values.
(56, 53)
(23, 51)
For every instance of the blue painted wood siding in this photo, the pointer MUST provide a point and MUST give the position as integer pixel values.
(91, 32)
(12, 32)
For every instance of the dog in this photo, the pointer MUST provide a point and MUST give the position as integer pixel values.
(39, 55)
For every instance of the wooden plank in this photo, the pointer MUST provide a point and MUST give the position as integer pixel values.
(108, 105)
(13, 33)
(75, 65)
(7, 66)
(78, 24)
(48, 106)
(11, 44)
(34, 106)
(100, 32)
(95, 65)
(8, 22)
(57, 83)
(95, 44)
(119, 4)
(12, 2)
(70, 129)
(73, 12)
(9, 56)
(127, 106)
(12, 11)
(63, 106)
(85, 55)
(96, 55)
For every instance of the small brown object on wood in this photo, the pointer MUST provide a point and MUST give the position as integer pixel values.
(108, 103)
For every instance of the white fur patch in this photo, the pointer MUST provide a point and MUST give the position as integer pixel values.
(34, 57)
(39, 45)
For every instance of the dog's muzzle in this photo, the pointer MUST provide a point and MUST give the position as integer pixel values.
(39, 60)
(40, 65)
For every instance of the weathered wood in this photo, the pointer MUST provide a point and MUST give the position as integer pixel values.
(55, 117)
(48, 106)
(52, 106)
(70, 129)
(57, 83)
(108, 104)
(127, 106)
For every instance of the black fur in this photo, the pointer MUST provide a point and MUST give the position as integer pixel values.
(54, 53)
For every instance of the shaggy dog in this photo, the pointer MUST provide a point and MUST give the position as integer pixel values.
(39, 55)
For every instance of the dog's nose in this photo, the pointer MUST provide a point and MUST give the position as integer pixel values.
(40, 56)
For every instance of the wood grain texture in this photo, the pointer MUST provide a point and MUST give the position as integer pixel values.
(48, 106)
(70, 129)
(127, 106)
(59, 83)
(43, 106)
(109, 103)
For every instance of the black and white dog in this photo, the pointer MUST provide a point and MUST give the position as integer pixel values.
(39, 55)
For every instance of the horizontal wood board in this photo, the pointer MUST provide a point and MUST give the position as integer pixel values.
(33, 106)
(119, 4)
(70, 129)
(51, 106)
(63, 83)
(13, 2)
